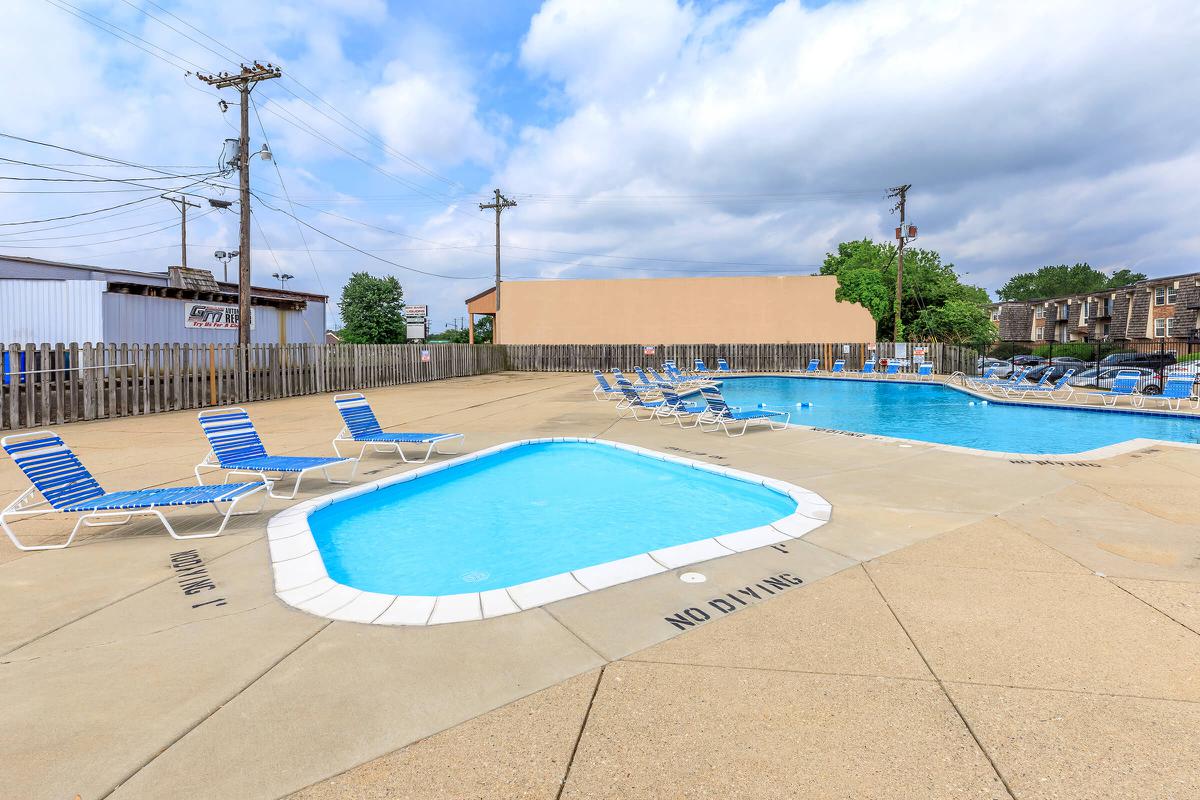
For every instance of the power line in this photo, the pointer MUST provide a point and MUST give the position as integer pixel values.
(369, 254)
(120, 33)
(91, 244)
(299, 229)
(80, 235)
(81, 213)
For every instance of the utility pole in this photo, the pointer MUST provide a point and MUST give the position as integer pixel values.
(499, 204)
(900, 192)
(182, 204)
(244, 82)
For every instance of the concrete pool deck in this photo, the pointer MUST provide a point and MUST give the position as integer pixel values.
(966, 626)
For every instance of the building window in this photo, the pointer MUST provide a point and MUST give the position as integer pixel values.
(1104, 330)
(1108, 306)
(1039, 333)
(1040, 312)
(1163, 327)
(1165, 295)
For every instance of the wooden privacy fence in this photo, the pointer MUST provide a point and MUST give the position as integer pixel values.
(52, 384)
(748, 357)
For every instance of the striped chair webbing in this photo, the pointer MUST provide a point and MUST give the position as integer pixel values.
(54, 470)
(716, 403)
(359, 418)
(232, 436)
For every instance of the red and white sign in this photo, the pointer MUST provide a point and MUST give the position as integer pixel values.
(211, 316)
(424, 356)
(648, 350)
(416, 311)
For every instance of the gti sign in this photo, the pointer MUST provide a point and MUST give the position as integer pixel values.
(212, 316)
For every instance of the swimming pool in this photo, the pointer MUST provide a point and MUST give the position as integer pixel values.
(521, 525)
(939, 414)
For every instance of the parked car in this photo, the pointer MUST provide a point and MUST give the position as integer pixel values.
(1070, 362)
(1056, 371)
(1002, 368)
(1102, 378)
(1027, 361)
(1153, 361)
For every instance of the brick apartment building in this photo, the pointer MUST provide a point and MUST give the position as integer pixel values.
(1146, 311)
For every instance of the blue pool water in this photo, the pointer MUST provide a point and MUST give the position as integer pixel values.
(529, 512)
(946, 416)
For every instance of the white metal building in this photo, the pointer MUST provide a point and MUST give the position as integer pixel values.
(51, 302)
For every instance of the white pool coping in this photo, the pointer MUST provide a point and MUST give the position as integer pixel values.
(302, 581)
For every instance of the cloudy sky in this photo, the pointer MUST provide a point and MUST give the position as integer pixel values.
(640, 138)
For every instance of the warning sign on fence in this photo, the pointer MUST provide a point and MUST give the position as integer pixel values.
(424, 356)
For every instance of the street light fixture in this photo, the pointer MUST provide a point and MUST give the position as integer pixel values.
(282, 277)
(221, 255)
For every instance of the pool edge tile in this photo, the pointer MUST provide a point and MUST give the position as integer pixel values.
(622, 570)
(532, 594)
(456, 608)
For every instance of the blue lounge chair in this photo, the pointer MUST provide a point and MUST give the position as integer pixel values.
(635, 403)
(659, 378)
(984, 378)
(723, 366)
(604, 389)
(622, 379)
(650, 383)
(676, 409)
(998, 385)
(363, 428)
(814, 365)
(699, 366)
(679, 377)
(838, 366)
(721, 414)
(1063, 384)
(1022, 389)
(66, 486)
(1124, 385)
(925, 371)
(893, 368)
(868, 367)
(1177, 389)
(237, 450)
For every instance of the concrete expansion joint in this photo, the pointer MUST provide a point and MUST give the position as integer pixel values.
(941, 685)
(587, 714)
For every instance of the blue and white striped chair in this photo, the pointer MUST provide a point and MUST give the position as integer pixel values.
(677, 409)
(893, 368)
(723, 366)
(868, 367)
(700, 366)
(363, 428)
(925, 371)
(1124, 385)
(838, 366)
(604, 389)
(814, 365)
(237, 450)
(66, 486)
(1178, 388)
(634, 403)
(720, 414)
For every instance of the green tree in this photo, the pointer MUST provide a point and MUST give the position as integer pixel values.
(955, 322)
(483, 330)
(372, 310)
(1059, 279)
(483, 333)
(866, 273)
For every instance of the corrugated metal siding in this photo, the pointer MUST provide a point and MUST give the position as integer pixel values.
(135, 318)
(51, 311)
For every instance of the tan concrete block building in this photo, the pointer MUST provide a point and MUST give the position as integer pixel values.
(734, 310)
